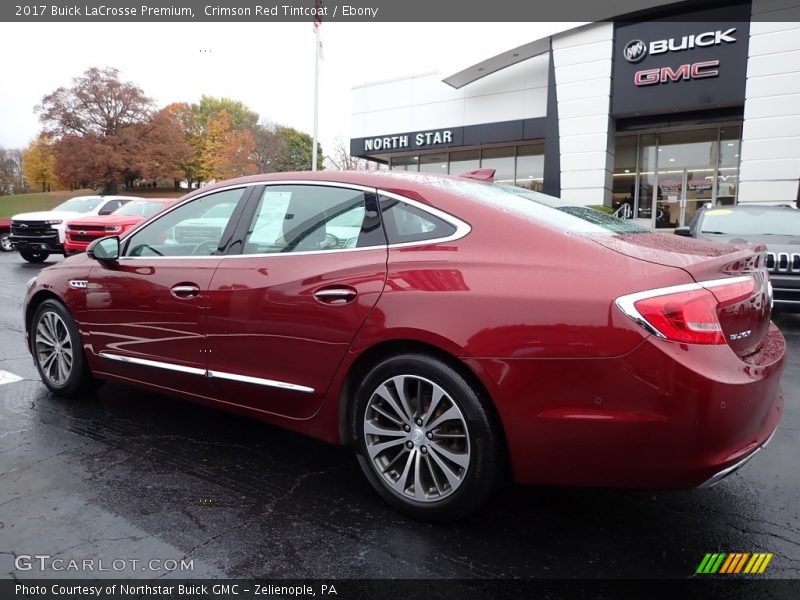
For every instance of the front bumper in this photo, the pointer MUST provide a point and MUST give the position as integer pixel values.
(49, 244)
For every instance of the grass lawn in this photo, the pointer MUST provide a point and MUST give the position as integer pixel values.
(22, 203)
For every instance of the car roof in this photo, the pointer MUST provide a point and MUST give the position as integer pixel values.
(388, 180)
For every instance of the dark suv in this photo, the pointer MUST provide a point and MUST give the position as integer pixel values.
(777, 227)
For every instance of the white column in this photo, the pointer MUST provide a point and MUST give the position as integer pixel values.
(770, 153)
(583, 61)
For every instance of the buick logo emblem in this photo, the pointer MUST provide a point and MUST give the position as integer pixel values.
(634, 51)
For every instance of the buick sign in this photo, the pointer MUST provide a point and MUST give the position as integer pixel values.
(635, 51)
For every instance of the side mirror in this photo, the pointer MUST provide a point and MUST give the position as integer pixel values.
(105, 211)
(684, 231)
(105, 249)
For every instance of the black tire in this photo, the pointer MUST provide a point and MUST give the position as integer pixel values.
(34, 256)
(481, 443)
(5, 242)
(79, 379)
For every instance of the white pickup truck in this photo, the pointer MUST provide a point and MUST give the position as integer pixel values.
(37, 235)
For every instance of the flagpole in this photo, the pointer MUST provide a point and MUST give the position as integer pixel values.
(316, 98)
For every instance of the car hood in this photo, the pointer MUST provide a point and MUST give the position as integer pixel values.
(46, 215)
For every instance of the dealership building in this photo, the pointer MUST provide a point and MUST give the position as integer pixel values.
(652, 114)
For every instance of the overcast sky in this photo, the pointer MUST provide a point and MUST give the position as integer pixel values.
(268, 66)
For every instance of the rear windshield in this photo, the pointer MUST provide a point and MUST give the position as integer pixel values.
(79, 205)
(751, 222)
(557, 213)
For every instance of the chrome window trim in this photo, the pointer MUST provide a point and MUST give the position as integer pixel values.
(462, 227)
(627, 303)
(207, 373)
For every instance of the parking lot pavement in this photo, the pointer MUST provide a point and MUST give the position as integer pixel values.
(131, 474)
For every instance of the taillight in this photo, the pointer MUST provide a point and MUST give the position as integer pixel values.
(687, 313)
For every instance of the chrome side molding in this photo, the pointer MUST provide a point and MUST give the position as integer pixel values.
(207, 373)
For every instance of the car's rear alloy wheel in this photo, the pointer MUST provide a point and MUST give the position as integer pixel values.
(57, 351)
(424, 438)
(417, 438)
(5, 242)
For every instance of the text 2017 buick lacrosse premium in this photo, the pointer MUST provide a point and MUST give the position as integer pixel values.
(452, 330)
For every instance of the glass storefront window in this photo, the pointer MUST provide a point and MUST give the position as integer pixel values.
(530, 167)
(433, 163)
(405, 163)
(623, 194)
(676, 172)
(686, 165)
(502, 161)
(647, 176)
(463, 161)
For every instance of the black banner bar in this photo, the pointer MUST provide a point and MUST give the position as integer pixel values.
(442, 11)
(707, 587)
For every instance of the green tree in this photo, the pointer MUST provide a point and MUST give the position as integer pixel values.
(296, 151)
(239, 115)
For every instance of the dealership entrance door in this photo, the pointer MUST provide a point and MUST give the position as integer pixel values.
(663, 177)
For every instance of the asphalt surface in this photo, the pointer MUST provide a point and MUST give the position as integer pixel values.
(134, 475)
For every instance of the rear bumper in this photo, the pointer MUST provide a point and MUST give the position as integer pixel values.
(722, 474)
(663, 416)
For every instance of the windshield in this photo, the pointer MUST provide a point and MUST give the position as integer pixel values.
(80, 204)
(557, 213)
(140, 208)
(752, 222)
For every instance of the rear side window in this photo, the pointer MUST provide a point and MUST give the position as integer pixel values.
(406, 223)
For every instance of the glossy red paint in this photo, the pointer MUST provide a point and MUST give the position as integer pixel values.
(82, 232)
(585, 395)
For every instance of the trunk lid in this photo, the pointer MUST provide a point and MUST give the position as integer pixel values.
(743, 317)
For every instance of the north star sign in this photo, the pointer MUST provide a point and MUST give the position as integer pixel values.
(418, 140)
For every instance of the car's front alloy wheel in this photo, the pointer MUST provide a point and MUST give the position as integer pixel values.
(57, 351)
(425, 439)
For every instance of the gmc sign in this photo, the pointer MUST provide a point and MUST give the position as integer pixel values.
(698, 70)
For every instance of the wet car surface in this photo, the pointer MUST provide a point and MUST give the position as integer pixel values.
(128, 473)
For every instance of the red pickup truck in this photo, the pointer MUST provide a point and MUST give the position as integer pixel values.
(5, 235)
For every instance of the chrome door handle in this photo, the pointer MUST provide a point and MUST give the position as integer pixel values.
(185, 290)
(336, 295)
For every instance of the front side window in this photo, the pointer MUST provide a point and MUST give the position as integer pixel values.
(193, 229)
(310, 218)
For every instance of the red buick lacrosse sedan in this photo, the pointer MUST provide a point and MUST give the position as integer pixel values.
(451, 330)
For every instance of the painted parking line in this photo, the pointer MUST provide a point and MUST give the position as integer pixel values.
(8, 377)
